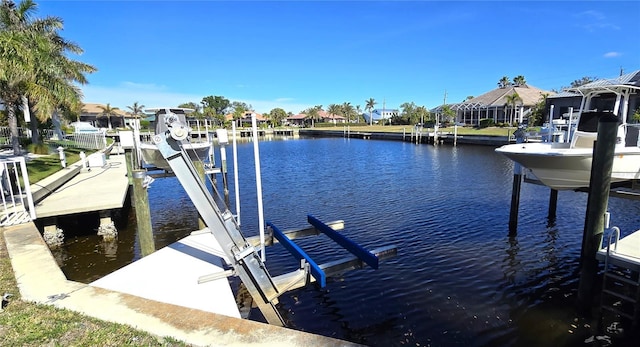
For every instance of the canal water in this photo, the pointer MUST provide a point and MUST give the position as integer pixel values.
(458, 279)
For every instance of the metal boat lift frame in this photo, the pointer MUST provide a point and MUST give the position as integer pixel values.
(241, 254)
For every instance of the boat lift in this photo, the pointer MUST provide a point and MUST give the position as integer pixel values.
(241, 253)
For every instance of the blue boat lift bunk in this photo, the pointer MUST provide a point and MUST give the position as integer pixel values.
(241, 253)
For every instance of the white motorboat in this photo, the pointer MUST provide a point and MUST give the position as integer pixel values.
(198, 151)
(567, 165)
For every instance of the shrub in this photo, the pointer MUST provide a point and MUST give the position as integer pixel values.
(39, 148)
(485, 123)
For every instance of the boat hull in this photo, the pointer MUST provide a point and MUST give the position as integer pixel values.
(152, 157)
(562, 168)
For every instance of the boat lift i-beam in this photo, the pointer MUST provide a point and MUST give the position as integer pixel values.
(241, 253)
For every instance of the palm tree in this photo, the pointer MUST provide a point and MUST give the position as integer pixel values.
(136, 110)
(370, 105)
(334, 109)
(35, 68)
(358, 113)
(519, 81)
(108, 111)
(512, 101)
(313, 113)
(347, 111)
(504, 82)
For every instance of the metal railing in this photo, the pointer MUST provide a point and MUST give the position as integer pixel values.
(17, 201)
(96, 140)
(76, 140)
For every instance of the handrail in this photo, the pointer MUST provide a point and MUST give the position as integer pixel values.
(615, 232)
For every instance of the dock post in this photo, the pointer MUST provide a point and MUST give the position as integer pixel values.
(553, 204)
(455, 135)
(515, 190)
(599, 187)
(143, 214)
(199, 165)
(128, 158)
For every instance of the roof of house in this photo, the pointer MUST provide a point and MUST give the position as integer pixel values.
(631, 79)
(498, 97)
(96, 109)
(247, 115)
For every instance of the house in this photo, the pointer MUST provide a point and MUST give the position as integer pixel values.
(245, 120)
(560, 105)
(495, 105)
(93, 114)
(297, 120)
(380, 114)
(323, 117)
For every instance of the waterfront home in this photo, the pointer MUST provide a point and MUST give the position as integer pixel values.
(245, 119)
(323, 117)
(496, 105)
(379, 114)
(93, 114)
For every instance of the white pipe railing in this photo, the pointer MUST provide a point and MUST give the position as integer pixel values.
(17, 200)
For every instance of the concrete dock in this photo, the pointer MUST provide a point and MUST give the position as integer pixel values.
(91, 189)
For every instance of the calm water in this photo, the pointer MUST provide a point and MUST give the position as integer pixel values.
(458, 278)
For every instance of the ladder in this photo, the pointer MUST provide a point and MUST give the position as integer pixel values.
(620, 284)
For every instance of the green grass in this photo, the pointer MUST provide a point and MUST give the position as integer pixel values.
(43, 166)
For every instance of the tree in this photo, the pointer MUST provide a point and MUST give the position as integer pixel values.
(35, 71)
(448, 114)
(407, 114)
(334, 109)
(347, 111)
(136, 110)
(358, 113)
(519, 81)
(584, 80)
(313, 113)
(218, 104)
(423, 114)
(239, 109)
(369, 106)
(277, 115)
(504, 82)
(108, 111)
(538, 111)
(512, 101)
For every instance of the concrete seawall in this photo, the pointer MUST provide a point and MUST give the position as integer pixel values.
(484, 140)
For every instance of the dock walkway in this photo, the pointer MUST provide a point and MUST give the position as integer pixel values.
(92, 189)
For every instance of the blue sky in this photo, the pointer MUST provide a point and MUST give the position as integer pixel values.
(296, 54)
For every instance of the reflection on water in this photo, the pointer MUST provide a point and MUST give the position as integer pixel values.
(458, 279)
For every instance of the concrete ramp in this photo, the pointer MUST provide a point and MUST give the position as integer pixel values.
(170, 275)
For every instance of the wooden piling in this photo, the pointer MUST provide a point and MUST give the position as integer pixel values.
(599, 187)
(199, 165)
(143, 213)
